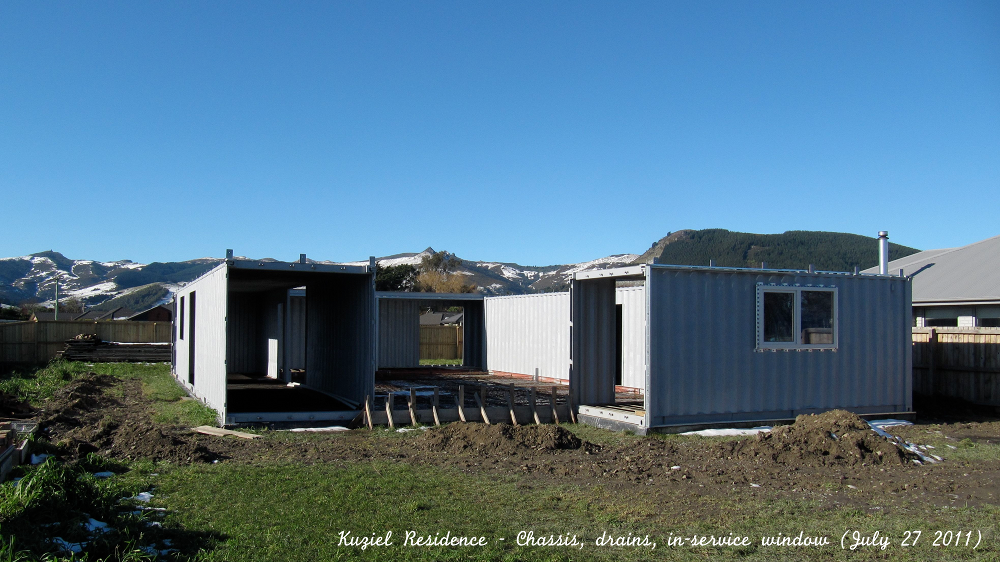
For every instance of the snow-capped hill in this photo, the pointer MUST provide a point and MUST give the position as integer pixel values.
(32, 278)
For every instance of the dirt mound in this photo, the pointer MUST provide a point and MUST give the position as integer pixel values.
(82, 417)
(156, 442)
(74, 401)
(13, 407)
(497, 438)
(836, 437)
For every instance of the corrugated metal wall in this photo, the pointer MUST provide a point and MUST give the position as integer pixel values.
(295, 332)
(526, 332)
(258, 316)
(244, 353)
(593, 342)
(340, 356)
(398, 333)
(704, 366)
(210, 338)
(633, 303)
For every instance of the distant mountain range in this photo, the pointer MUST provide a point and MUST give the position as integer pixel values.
(106, 285)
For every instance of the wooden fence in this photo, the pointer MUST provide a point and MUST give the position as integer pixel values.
(38, 342)
(959, 362)
(441, 342)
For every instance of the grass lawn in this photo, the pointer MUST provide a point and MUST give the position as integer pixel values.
(294, 512)
(241, 510)
(441, 361)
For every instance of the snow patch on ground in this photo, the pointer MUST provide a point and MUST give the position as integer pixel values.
(729, 431)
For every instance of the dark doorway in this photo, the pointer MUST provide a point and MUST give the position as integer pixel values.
(191, 305)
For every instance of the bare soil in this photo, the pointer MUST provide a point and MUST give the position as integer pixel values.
(833, 459)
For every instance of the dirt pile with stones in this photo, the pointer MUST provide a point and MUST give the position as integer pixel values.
(100, 413)
(500, 439)
(832, 438)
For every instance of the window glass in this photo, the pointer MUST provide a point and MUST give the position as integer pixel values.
(779, 316)
(817, 317)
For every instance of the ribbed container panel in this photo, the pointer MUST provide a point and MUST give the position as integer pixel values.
(528, 332)
(705, 365)
(398, 333)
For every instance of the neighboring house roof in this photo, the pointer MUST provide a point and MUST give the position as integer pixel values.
(965, 275)
(154, 312)
(441, 318)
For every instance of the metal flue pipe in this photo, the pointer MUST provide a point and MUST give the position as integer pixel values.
(883, 252)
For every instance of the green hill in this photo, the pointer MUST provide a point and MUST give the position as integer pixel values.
(157, 272)
(795, 249)
(139, 300)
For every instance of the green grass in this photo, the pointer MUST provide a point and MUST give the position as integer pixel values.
(950, 448)
(57, 499)
(440, 361)
(273, 510)
(285, 512)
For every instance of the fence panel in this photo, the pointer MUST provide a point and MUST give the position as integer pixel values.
(38, 342)
(441, 342)
(959, 362)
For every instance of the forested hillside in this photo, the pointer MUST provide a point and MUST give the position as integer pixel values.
(795, 249)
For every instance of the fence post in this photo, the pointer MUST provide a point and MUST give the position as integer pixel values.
(932, 338)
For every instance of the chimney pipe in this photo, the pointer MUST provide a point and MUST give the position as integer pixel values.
(883, 252)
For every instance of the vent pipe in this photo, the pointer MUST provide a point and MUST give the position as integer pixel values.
(883, 252)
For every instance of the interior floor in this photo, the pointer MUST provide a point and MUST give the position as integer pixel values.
(247, 393)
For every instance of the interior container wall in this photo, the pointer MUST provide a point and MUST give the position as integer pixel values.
(633, 303)
(340, 353)
(398, 333)
(593, 344)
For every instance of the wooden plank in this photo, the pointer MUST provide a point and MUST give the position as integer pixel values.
(390, 401)
(482, 409)
(532, 396)
(461, 402)
(368, 410)
(435, 405)
(510, 405)
(218, 431)
(555, 414)
(412, 405)
(572, 411)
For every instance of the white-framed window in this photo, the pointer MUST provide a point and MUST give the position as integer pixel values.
(796, 317)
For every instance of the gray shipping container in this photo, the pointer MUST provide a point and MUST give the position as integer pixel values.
(529, 332)
(245, 321)
(726, 345)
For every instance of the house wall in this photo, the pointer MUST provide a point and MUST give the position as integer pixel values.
(210, 338)
(528, 332)
(704, 365)
(969, 316)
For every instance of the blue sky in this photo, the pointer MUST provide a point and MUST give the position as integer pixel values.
(536, 132)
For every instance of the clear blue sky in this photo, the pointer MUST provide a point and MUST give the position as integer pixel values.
(535, 132)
